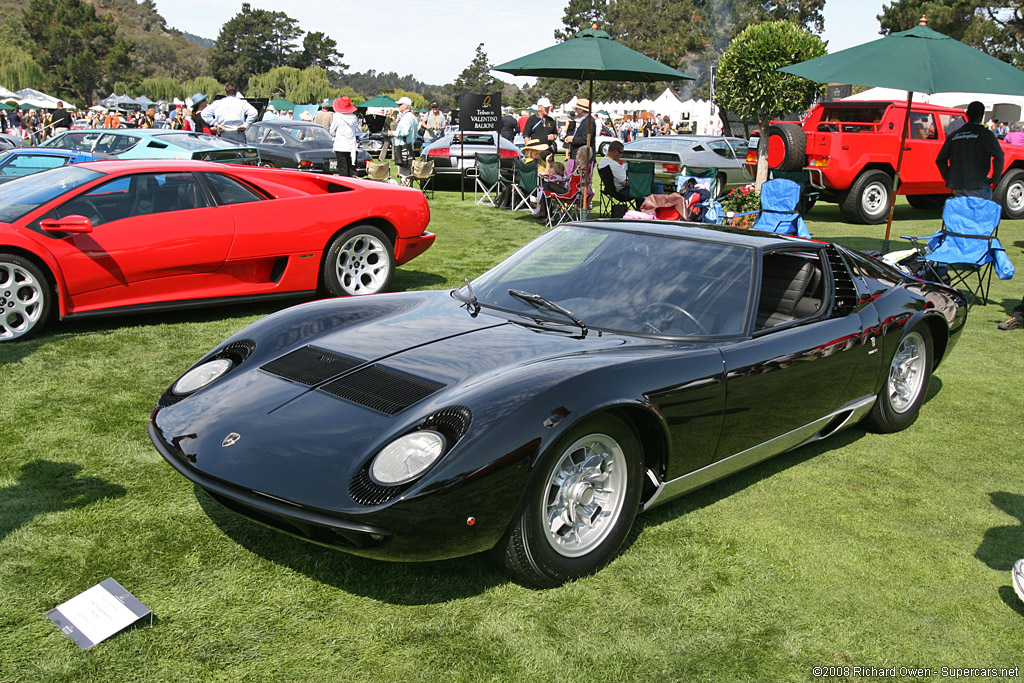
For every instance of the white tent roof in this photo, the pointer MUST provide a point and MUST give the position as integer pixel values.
(39, 99)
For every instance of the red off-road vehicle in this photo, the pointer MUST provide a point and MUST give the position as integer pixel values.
(849, 151)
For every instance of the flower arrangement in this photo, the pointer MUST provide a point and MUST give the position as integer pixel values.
(742, 199)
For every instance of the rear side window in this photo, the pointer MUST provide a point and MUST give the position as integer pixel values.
(227, 190)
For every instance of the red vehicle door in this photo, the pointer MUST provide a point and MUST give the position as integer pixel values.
(919, 174)
(146, 226)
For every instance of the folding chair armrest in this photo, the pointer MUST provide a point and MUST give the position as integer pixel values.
(911, 238)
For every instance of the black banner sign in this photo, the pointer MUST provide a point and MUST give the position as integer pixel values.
(480, 112)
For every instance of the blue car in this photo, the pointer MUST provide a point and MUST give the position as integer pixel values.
(150, 143)
(23, 161)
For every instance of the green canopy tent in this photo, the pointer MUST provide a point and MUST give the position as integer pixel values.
(382, 101)
(281, 104)
(921, 60)
(4, 105)
(591, 55)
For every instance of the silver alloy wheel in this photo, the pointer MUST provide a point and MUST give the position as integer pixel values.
(362, 264)
(21, 300)
(906, 374)
(584, 494)
(875, 199)
(1015, 196)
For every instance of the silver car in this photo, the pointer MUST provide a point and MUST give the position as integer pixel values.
(671, 153)
(457, 150)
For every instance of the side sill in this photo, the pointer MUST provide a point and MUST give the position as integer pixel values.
(815, 431)
(186, 303)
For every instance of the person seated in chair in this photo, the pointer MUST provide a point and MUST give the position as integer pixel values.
(612, 161)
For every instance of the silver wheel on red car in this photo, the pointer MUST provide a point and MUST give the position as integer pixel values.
(361, 260)
(579, 506)
(24, 298)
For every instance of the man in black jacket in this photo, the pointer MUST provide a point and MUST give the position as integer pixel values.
(586, 129)
(969, 156)
(61, 119)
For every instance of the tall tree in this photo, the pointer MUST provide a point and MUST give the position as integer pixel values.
(75, 48)
(253, 42)
(319, 50)
(581, 14)
(476, 77)
(750, 85)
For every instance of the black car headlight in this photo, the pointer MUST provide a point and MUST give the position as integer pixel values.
(201, 376)
(407, 457)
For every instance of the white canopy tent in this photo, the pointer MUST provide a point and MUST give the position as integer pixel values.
(998, 107)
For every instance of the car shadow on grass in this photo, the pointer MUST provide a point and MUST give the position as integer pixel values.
(399, 583)
(415, 279)
(44, 486)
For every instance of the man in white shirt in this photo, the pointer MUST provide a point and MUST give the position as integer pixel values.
(230, 116)
(618, 168)
(404, 136)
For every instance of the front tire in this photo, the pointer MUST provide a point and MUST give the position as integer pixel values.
(1009, 194)
(26, 298)
(906, 385)
(361, 260)
(868, 199)
(579, 506)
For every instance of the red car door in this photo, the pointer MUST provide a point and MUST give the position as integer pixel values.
(149, 226)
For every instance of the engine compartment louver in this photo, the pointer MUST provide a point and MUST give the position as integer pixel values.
(310, 365)
(382, 389)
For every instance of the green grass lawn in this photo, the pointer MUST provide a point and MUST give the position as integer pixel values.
(861, 550)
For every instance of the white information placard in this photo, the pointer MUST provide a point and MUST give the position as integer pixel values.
(98, 613)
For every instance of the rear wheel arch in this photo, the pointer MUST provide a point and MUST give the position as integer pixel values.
(359, 259)
(378, 223)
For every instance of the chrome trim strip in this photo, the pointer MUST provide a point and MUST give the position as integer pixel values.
(719, 469)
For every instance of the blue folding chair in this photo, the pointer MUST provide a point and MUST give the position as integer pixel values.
(779, 201)
(966, 247)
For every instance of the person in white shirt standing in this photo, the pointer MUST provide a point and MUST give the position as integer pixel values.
(229, 116)
(404, 136)
(345, 130)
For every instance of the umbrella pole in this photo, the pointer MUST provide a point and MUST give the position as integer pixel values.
(593, 158)
(899, 164)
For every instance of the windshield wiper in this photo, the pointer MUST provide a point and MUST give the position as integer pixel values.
(538, 300)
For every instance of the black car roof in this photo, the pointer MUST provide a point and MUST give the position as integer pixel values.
(710, 233)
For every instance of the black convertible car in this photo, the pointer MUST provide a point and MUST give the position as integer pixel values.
(303, 145)
(601, 370)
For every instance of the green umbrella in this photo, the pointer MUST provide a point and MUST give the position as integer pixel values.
(919, 60)
(4, 105)
(591, 55)
(281, 104)
(382, 101)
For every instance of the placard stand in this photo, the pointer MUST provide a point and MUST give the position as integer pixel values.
(94, 615)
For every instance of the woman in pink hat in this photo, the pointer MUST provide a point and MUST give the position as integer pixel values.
(345, 130)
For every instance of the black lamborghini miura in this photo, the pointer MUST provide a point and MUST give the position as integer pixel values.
(603, 369)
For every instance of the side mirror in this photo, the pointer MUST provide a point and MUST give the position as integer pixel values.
(69, 224)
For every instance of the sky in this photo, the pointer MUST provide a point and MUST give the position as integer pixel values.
(435, 41)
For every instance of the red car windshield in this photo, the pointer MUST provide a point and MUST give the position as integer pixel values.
(29, 192)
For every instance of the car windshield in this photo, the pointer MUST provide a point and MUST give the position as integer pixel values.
(22, 195)
(308, 134)
(625, 282)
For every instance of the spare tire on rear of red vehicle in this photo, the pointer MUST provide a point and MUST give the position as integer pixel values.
(787, 147)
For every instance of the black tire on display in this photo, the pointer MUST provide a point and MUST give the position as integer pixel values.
(26, 298)
(361, 260)
(868, 198)
(603, 150)
(906, 385)
(1009, 194)
(579, 506)
(794, 145)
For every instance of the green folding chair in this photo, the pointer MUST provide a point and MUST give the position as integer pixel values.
(525, 185)
(487, 174)
(641, 181)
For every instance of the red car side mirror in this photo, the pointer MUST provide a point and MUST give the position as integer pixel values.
(69, 224)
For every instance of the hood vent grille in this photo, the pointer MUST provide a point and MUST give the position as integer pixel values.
(382, 389)
(310, 365)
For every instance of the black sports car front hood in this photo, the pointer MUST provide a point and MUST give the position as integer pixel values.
(300, 425)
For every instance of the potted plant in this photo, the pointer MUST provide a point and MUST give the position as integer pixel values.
(742, 200)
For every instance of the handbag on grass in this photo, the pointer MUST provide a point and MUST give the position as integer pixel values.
(380, 169)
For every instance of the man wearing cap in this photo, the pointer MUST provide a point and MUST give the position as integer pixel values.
(230, 116)
(586, 130)
(541, 127)
(324, 116)
(404, 137)
(345, 130)
(432, 127)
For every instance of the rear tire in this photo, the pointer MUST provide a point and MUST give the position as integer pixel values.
(361, 260)
(26, 298)
(787, 146)
(868, 198)
(1009, 194)
(579, 506)
(906, 385)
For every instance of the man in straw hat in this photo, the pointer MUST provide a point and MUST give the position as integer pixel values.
(586, 129)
